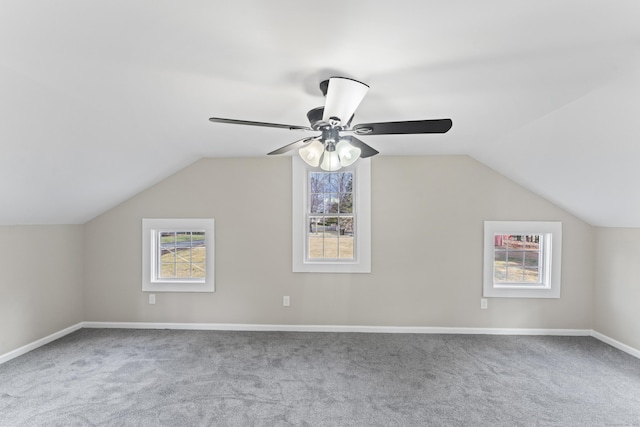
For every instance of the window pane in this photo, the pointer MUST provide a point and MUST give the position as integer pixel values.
(331, 233)
(183, 255)
(330, 246)
(532, 275)
(346, 226)
(331, 227)
(346, 203)
(198, 239)
(316, 246)
(515, 274)
(500, 266)
(168, 254)
(316, 237)
(524, 241)
(316, 182)
(183, 238)
(514, 241)
(198, 254)
(532, 242)
(198, 270)
(167, 238)
(316, 225)
(346, 182)
(500, 241)
(183, 270)
(167, 270)
(346, 238)
(316, 203)
(331, 203)
(516, 258)
(331, 183)
(531, 259)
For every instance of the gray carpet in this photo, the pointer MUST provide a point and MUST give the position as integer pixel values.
(110, 377)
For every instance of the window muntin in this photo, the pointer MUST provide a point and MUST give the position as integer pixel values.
(330, 216)
(522, 259)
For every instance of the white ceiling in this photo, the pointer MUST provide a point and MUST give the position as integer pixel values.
(101, 99)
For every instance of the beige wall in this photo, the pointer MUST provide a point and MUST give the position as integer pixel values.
(40, 283)
(427, 222)
(617, 284)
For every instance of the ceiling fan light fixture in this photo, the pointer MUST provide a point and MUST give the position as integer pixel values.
(347, 153)
(343, 97)
(311, 153)
(330, 161)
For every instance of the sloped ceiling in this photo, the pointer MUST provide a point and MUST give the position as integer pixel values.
(101, 99)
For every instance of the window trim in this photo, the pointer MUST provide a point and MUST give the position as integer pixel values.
(551, 252)
(150, 229)
(361, 263)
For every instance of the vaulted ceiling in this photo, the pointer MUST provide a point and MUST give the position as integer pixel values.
(101, 99)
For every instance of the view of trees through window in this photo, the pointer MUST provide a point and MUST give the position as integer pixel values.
(330, 215)
(517, 258)
(182, 255)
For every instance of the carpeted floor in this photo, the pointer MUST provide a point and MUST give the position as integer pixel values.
(111, 377)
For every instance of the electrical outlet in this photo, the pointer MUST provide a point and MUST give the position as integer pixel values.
(152, 298)
(285, 301)
(484, 303)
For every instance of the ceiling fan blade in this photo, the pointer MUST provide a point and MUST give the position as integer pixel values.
(406, 127)
(263, 124)
(298, 144)
(365, 150)
(343, 97)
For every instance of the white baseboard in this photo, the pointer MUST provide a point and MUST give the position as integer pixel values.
(617, 344)
(38, 343)
(319, 328)
(338, 328)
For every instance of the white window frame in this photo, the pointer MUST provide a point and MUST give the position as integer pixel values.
(549, 286)
(361, 262)
(151, 227)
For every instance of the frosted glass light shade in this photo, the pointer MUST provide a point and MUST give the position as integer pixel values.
(347, 153)
(343, 97)
(330, 161)
(311, 153)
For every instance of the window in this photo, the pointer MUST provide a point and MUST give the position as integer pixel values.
(330, 216)
(331, 219)
(522, 259)
(182, 255)
(177, 255)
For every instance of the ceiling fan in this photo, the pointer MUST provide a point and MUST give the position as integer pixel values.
(336, 146)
